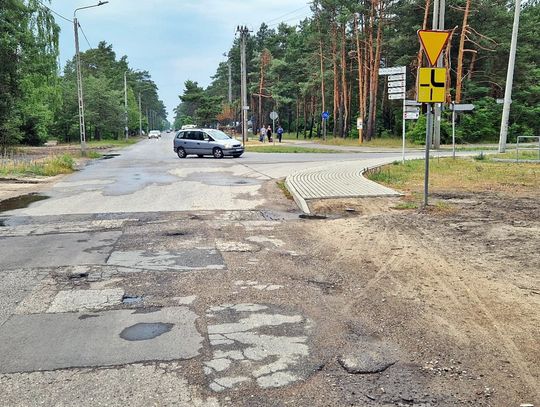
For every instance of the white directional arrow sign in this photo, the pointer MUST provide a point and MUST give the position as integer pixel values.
(400, 77)
(462, 107)
(392, 71)
(400, 89)
(395, 96)
(395, 84)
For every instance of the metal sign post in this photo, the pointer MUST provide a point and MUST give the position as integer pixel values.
(431, 86)
(454, 130)
(429, 129)
(274, 116)
(397, 87)
(325, 116)
(457, 108)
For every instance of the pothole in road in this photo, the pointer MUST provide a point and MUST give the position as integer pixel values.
(176, 233)
(109, 156)
(131, 299)
(20, 202)
(145, 331)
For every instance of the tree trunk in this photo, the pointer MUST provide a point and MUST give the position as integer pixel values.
(344, 86)
(459, 74)
(374, 77)
(336, 79)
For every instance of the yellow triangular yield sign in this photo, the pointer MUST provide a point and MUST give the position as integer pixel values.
(433, 43)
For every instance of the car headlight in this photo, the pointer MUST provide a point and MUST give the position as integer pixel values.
(229, 145)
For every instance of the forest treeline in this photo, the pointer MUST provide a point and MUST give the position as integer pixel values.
(38, 102)
(330, 62)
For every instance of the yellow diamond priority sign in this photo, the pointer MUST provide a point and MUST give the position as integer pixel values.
(431, 85)
(433, 43)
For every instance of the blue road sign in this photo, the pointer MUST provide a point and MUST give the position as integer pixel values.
(325, 115)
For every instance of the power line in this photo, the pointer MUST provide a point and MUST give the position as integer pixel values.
(54, 12)
(286, 14)
(84, 35)
(300, 16)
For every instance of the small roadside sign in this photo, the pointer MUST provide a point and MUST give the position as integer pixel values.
(273, 115)
(431, 85)
(400, 77)
(461, 107)
(411, 116)
(392, 71)
(396, 96)
(395, 84)
(359, 124)
(433, 43)
(409, 102)
(412, 109)
(325, 115)
(396, 90)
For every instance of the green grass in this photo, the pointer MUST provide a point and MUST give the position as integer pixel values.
(386, 142)
(103, 144)
(462, 174)
(269, 148)
(50, 166)
(281, 185)
(512, 155)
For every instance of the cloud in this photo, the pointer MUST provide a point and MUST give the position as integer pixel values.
(174, 40)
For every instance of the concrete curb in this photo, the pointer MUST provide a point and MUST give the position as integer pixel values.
(301, 202)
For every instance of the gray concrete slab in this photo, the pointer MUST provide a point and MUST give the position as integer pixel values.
(14, 287)
(182, 260)
(58, 250)
(54, 341)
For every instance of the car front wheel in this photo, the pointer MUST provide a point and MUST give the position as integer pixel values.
(181, 152)
(218, 153)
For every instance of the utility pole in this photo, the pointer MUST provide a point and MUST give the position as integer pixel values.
(125, 105)
(509, 81)
(82, 128)
(244, 32)
(140, 116)
(438, 24)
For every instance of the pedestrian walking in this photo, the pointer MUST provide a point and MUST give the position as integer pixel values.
(279, 132)
(262, 134)
(269, 133)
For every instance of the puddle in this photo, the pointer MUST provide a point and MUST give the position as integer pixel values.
(3, 222)
(308, 216)
(20, 202)
(109, 156)
(131, 299)
(177, 233)
(145, 331)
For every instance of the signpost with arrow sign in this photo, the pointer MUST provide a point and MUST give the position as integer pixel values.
(457, 108)
(397, 87)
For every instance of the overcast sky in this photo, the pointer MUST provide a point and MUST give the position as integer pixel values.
(174, 40)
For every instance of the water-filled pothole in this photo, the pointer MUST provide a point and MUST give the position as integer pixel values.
(145, 331)
(20, 202)
(131, 299)
(109, 156)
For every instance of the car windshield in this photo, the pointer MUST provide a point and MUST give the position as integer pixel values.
(218, 135)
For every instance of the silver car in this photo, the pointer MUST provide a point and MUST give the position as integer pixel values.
(203, 142)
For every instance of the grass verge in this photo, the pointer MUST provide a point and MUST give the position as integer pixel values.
(50, 166)
(281, 185)
(270, 148)
(523, 155)
(463, 174)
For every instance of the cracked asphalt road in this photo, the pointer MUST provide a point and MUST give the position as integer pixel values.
(149, 280)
